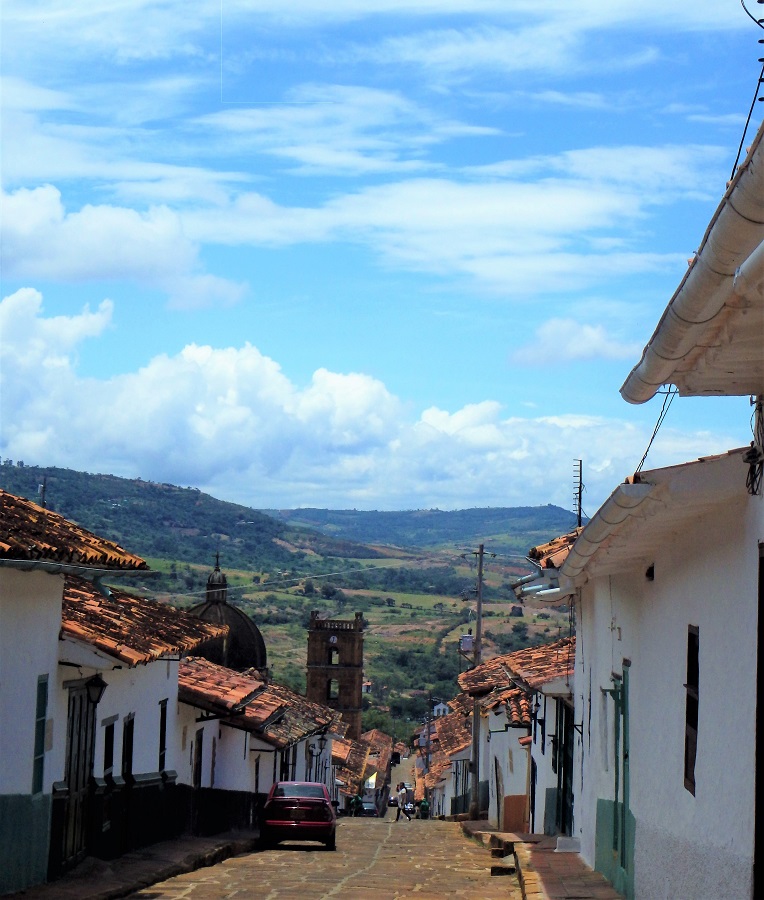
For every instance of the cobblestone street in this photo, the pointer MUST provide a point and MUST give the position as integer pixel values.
(375, 858)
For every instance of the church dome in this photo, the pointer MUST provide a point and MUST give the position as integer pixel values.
(243, 647)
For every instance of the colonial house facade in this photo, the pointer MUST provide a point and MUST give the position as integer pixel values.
(668, 582)
(525, 736)
(239, 735)
(85, 673)
(111, 736)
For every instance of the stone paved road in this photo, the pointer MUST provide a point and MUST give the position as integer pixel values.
(376, 859)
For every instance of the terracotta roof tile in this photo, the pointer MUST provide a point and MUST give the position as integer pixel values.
(298, 717)
(30, 533)
(381, 749)
(275, 713)
(554, 553)
(454, 731)
(215, 688)
(516, 700)
(352, 757)
(533, 665)
(131, 629)
(538, 665)
(461, 703)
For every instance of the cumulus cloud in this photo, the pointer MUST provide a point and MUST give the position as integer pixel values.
(42, 240)
(560, 341)
(230, 421)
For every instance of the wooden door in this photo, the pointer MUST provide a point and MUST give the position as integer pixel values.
(80, 741)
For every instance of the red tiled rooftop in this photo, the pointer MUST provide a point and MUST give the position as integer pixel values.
(381, 745)
(538, 665)
(517, 703)
(453, 731)
(132, 629)
(215, 688)
(275, 713)
(533, 665)
(352, 757)
(298, 717)
(29, 532)
(554, 553)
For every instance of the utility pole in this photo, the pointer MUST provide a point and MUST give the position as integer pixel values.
(477, 659)
(428, 725)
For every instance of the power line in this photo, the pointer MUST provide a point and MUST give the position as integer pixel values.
(667, 401)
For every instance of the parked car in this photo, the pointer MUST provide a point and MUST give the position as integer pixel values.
(299, 811)
(369, 808)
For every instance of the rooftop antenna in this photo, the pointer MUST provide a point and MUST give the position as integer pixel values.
(579, 486)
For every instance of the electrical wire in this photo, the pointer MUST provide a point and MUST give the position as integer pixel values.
(667, 401)
(759, 24)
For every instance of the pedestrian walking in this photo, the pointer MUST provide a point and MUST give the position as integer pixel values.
(402, 795)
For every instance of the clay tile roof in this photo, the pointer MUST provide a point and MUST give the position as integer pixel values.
(538, 665)
(533, 665)
(214, 688)
(381, 749)
(30, 533)
(462, 703)
(484, 678)
(276, 714)
(352, 757)
(516, 700)
(554, 553)
(131, 629)
(453, 731)
(298, 717)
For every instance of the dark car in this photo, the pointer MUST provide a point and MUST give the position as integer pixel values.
(299, 811)
(369, 808)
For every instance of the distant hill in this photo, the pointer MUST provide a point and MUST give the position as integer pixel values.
(182, 523)
(162, 520)
(513, 527)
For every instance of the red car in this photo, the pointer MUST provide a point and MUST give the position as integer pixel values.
(299, 811)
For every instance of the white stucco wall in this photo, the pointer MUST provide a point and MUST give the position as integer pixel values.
(30, 620)
(504, 751)
(138, 692)
(685, 846)
(541, 753)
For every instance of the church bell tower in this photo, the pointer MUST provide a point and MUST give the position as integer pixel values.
(335, 667)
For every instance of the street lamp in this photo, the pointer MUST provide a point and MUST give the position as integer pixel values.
(95, 687)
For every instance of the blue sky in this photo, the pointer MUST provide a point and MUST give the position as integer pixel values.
(379, 254)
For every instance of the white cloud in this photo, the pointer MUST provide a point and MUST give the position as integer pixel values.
(230, 421)
(570, 225)
(566, 340)
(42, 240)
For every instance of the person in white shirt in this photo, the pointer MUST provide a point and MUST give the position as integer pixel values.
(402, 798)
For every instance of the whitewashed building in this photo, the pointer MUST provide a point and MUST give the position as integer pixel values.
(84, 675)
(239, 734)
(668, 581)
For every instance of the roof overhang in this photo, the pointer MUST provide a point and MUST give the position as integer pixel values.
(73, 652)
(710, 339)
(665, 500)
(558, 687)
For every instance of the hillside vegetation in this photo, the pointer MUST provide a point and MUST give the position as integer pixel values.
(412, 574)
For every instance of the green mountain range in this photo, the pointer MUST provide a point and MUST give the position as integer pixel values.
(166, 521)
